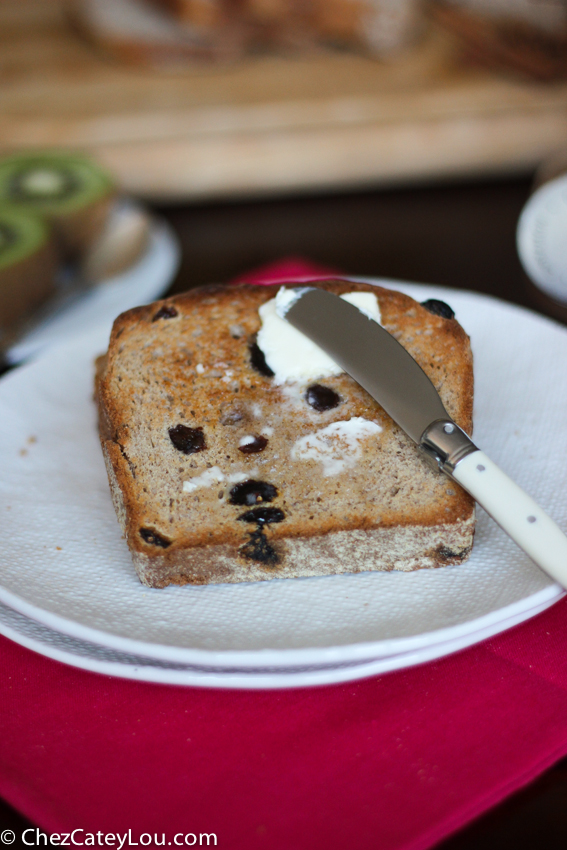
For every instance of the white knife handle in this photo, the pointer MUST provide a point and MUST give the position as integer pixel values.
(516, 512)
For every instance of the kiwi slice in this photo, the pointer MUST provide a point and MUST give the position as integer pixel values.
(69, 190)
(28, 263)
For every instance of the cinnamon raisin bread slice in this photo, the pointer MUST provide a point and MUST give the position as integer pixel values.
(222, 471)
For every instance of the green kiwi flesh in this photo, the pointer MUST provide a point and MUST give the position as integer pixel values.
(68, 189)
(28, 262)
(52, 183)
(20, 236)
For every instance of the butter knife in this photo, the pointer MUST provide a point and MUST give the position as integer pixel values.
(382, 366)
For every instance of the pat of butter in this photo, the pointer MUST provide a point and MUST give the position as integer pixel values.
(337, 447)
(292, 356)
(214, 475)
(205, 479)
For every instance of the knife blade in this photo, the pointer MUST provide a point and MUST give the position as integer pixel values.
(383, 367)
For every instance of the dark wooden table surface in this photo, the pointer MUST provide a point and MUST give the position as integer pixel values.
(459, 235)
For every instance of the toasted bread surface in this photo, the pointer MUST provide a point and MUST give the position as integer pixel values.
(188, 418)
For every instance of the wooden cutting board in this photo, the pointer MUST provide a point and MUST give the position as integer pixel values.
(272, 124)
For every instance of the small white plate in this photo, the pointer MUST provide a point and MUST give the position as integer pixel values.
(65, 565)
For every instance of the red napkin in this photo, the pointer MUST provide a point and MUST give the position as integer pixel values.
(295, 269)
(391, 762)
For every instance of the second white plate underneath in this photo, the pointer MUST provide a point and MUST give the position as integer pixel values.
(100, 659)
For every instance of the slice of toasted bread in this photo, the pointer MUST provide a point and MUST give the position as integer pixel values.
(219, 474)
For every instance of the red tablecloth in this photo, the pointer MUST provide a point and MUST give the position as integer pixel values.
(395, 761)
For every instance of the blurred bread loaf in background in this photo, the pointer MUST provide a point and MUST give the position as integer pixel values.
(172, 32)
(524, 36)
(528, 37)
(140, 32)
(380, 27)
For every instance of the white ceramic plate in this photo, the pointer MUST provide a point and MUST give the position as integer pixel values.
(65, 565)
(74, 314)
(101, 659)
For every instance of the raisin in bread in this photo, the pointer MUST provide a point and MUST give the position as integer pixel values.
(220, 474)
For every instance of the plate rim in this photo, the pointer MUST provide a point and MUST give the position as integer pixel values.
(262, 657)
(275, 679)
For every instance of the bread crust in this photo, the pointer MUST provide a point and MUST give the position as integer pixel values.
(186, 361)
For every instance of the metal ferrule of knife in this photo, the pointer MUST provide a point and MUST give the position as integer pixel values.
(444, 444)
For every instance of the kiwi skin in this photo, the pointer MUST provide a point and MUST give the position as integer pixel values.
(77, 232)
(77, 217)
(27, 273)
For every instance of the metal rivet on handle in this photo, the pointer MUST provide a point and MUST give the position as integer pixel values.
(448, 428)
(480, 467)
(531, 519)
